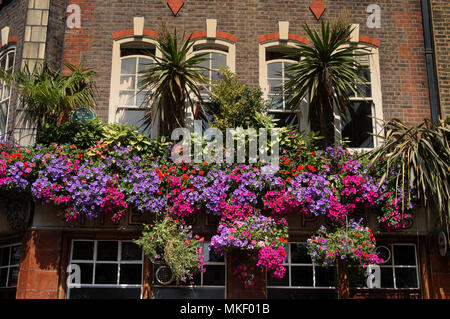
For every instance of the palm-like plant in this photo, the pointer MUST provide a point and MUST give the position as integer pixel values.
(172, 81)
(423, 155)
(326, 73)
(49, 96)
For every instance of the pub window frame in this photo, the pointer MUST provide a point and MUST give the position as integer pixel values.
(5, 54)
(9, 265)
(94, 262)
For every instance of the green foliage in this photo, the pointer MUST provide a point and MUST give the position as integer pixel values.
(171, 81)
(172, 243)
(48, 95)
(82, 134)
(421, 157)
(233, 104)
(325, 74)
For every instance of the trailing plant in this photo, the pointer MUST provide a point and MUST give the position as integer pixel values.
(419, 156)
(169, 241)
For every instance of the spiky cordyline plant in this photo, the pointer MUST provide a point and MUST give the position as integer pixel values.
(422, 155)
(48, 95)
(172, 81)
(326, 73)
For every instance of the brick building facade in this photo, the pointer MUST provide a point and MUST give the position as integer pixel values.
(247, 36)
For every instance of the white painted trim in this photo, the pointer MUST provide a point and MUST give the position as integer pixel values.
(5, 36)
(283, 30)
(211, 28)
(115, 77)
(138, 26)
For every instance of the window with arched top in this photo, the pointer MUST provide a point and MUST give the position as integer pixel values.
(218, 54)
(274, 61)
(6, 63)
(128, 104)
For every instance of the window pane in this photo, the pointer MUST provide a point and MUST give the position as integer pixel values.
(15, 255)
(3, 276)
(357, 277)
(285, 119)
(130, 274)
(302, 276)
(406, 278)
(126, 98)
(325, 276)
(358, 126)
(87, 271)
(299, 254)
(10, 60)
(214, 275)
(278, 282)
(3, 62)
(274, 70)
(83, 250)
(218, 60)
(4, 256)
(384, 253)
(106, 273)
(364, 90)
(143, 64)
(128, 66)
(133, 117)
(107, 250)
(215, 76)
(387, 278)
(404, 255)
(127, 82)
(131, 251)
(211, 255)
(13, 275)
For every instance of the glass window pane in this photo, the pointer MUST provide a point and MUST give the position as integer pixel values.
(406, 278)
(106, 273)
(83, 250)
(274, 70)
(143, 64)
(214, 275)
(3, 276)
(302, 276)
(384, 253)
(325, 276)
(364, 90)
(357, 128)
(141, 100)
(299, 254)
(127, 82)
(275, 103)
(107, 250)
(133, 117)
(215, 76)
(10, 60)
(211, 255)
(271, 281)
(3, 62)
(13, 275)
(387, 278)
(357, 277)
(4, 256)
(218, 60)
(275, 86)
(128, 66)
(15, 255)
(131, 274)
(131, 251)
(126, 98)
(404, 255)
(87, 271)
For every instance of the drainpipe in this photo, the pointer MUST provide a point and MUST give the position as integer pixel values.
(430, 61)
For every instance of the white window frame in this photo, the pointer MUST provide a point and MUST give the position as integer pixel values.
(94, 262)
(288, 265)
(5, 54)
(394, 267)
(376, 99)
(201, 285)
(302, 113)
(9, 266)
(201, 46)
(114, 100)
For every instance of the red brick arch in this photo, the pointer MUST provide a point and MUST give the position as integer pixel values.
(219, 35)
(11, 39)
(276, 37)
(130, 33)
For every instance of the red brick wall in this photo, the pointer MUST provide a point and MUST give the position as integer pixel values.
(403, 72)
(439, 271)
(38, 275)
